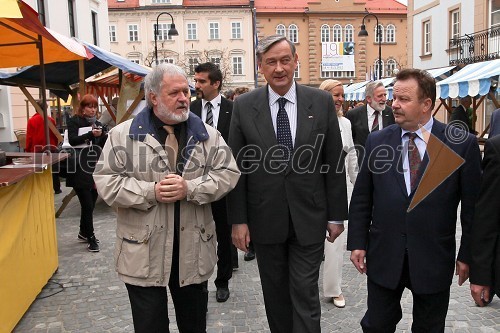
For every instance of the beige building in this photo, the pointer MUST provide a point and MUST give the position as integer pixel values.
(219, 31)
(312, 24)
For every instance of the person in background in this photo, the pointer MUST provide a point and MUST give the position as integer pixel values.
(229, 94)
(35, 141)
(215, 110)
(161, 171)
(494, 123)
(399, 245)
(83, 128)
(334, 252)
(485, 240)
(240, 91)
(373, 116)
(284, 201)
(106, 118)
(461, 115)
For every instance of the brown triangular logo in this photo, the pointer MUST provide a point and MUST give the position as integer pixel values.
(443, 161)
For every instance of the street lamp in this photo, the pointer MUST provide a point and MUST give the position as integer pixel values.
(171, 32)
(364, 33)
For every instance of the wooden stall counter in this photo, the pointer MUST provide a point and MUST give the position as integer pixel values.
(28, 239)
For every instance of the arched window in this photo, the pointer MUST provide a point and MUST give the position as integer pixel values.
(281, 30)
(375, 68)
(337, 33)
(296, 74)
(390, 34)
(349, 33)
(325, 33)
(390, 67)
(293, 33)
(381, 34)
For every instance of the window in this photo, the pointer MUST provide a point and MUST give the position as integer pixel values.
(391, 67)
(112, 33)
(495, 13)
(236, 30)
(133, 33)
(335, 74)
(455, 24)
(379, 34)
(135, 60)
(213, 28)
(237, 65)
(161, 1)
(296, 74)
(293, 33)
(215, 61)
(325, 33)
(162, 31)
(349, 33)
(337, 33)
(192, 62)
(390, 34)
(94, 27)
(166, 61)
(426, 40)
(281, 30)
(375, 68)
(41, 11)
(71, 17)
(192, 31)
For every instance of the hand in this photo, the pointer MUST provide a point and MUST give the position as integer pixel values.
(358, 259)
(462, 270)
(480, 294)
(241, 236)
(171, 189)
(334, 231)
(96, 132)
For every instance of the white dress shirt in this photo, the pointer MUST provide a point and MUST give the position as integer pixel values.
(215, 109)
(371, 118)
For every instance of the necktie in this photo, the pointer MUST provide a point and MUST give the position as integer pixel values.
(173, 149)
(210, 116)
(375, 126)
(414, 160)
(283, 133)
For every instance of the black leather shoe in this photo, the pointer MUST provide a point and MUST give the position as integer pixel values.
(222, 294)
(249, 256)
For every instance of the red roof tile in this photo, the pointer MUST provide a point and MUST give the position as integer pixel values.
(385, 6)
(123, 4)
(213, 3)
(280, 6)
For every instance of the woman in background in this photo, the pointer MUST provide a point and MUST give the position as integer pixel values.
(332, 269)
(84, 129)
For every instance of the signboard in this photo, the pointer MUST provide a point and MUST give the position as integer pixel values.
(337, 56)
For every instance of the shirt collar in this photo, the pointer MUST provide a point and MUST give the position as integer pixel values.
(369, 109)
(427, 126)
(215, 102)
(290, 95)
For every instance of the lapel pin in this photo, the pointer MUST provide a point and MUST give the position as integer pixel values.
(310, 117)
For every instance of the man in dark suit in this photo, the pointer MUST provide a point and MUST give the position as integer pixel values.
(289, 150)
(412, 248)
(460, 114)
(372, 116)
(215, 110)
(485, 243)
(495, 123)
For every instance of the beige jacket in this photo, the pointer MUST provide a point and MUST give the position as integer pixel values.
(131, 162)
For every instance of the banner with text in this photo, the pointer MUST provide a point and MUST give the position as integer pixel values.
(337, 56)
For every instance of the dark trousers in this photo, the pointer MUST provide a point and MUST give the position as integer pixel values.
(56, 182)
(289, 274)
(87, 198)
(149, 304)
(225, 247)
(384, 308)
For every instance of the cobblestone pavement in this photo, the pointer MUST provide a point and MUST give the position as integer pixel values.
(85, 295)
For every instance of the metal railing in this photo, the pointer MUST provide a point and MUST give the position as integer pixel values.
(479, 46)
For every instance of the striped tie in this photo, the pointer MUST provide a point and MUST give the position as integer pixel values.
(414, 161)
(210, 116)
(375, 126)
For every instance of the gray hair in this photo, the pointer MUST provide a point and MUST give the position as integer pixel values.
(154, 80)
(265, 44)
(370, 87)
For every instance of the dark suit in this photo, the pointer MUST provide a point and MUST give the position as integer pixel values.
(359, 126)
(286, 207)
(225, 250)
(495, 123)
(459, 114)
(485, 244)
(413, 249)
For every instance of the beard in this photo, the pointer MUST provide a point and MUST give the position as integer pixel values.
(170, 116)
(377, 106)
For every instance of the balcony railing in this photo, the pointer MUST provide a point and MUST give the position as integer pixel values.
(480, 46)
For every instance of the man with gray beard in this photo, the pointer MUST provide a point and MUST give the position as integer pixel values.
(372, 116)
(160, 171)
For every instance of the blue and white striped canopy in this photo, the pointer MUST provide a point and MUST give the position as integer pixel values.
(472, 80)
(359, 93)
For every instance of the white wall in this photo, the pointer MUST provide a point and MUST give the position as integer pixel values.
(439, 30)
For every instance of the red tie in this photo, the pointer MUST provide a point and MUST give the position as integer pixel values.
(375, 121)
(414, 160)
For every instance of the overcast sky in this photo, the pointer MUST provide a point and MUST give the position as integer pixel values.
(404, 2)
